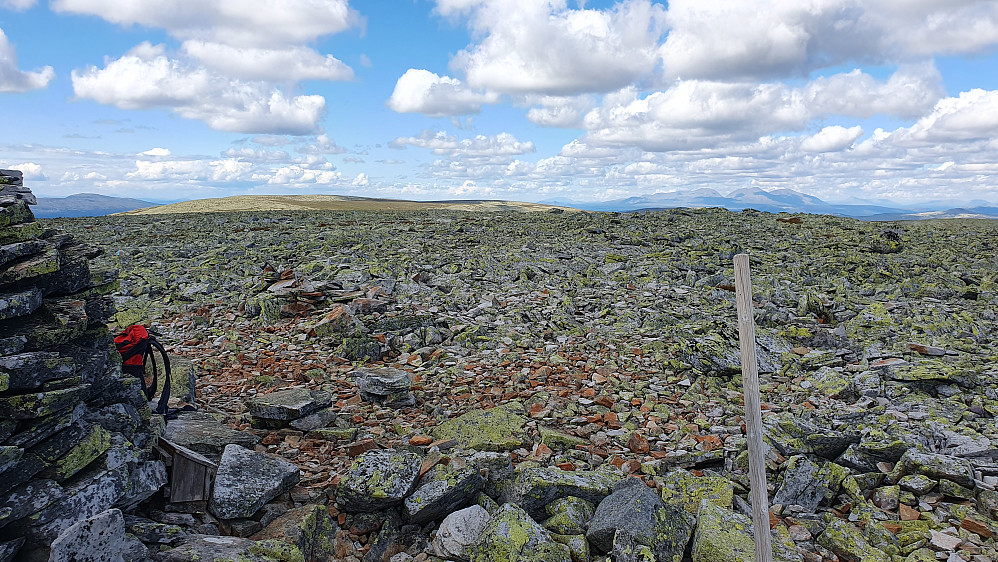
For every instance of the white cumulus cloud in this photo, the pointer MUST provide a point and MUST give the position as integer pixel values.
(136, 81)
(832, 139)
(241, 23)
(13, 79)
(253, 63)
(544, 47)
(422, 91)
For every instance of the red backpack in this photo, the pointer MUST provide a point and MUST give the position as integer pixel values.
(137, 348)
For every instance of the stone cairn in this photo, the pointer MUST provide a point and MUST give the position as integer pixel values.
(75, 434)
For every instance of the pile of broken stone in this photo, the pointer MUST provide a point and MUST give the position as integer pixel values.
(75, 437)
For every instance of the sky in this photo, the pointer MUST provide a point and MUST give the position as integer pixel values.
(877, 101)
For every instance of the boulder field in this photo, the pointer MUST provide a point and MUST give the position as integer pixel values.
(464, 386)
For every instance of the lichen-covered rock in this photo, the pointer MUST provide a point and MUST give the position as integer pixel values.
(848, 543)
(535, 488)
(289, 404)
(568, 516)
(378, 479)
(508, 534)
(496, 429)
(440, 491)
(309, 528)
(154, 532)
(722, 536)
(682, 487)
(935, 466)
(558, 440)
(247, 479)
(458, 531)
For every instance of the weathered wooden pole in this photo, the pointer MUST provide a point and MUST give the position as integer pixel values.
(753, 410)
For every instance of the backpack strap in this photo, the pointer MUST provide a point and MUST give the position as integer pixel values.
(164, 397)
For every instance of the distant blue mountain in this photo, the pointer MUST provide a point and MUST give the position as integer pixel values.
(85, 205)
(778, 201)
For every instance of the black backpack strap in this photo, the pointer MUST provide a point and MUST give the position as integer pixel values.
(164, 398)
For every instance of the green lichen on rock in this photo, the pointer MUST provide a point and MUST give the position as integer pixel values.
(682, 487)
(722, 536)
(507, 535)
(497, 429)
(560, 441)
(848, 543)
(91, 446)
(276, 551)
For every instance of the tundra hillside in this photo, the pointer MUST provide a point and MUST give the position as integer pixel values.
(602, 346)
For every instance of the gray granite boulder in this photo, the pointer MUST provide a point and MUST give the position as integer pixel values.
(378, 479)
(97, 539)
(458, 531)
(247, 479)
(287, 405)
(440, 491)
(806, 484)
(632, 507)
(315, 420)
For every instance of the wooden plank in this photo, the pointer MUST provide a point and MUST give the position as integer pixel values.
(188, 481)
(753, 410)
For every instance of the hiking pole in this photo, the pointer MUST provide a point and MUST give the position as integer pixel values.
(753, 411)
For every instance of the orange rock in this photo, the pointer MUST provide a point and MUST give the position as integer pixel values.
(420, 440)
(638, 443)
(975, 526)
(631, 466)
(566, 466)
(360, 447)
(605, 401)
(908, 513)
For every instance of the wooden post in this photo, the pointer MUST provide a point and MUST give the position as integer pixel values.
(753, 411)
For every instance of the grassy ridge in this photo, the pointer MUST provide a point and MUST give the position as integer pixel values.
(251, 203)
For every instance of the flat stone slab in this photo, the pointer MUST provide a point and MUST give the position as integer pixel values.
(287, 405)
(97, 539)
(208, 547)
(497, 429)
(246, 480)
(535, 488)
(206, 436)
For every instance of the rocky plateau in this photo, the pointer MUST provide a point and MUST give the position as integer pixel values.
(446, 385)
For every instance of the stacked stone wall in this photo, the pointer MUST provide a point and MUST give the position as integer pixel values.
(75, 434)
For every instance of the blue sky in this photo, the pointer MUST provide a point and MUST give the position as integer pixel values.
(892, 101)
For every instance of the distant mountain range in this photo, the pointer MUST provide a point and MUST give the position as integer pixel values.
(85, 205)
(775, 201)
(780, 201)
